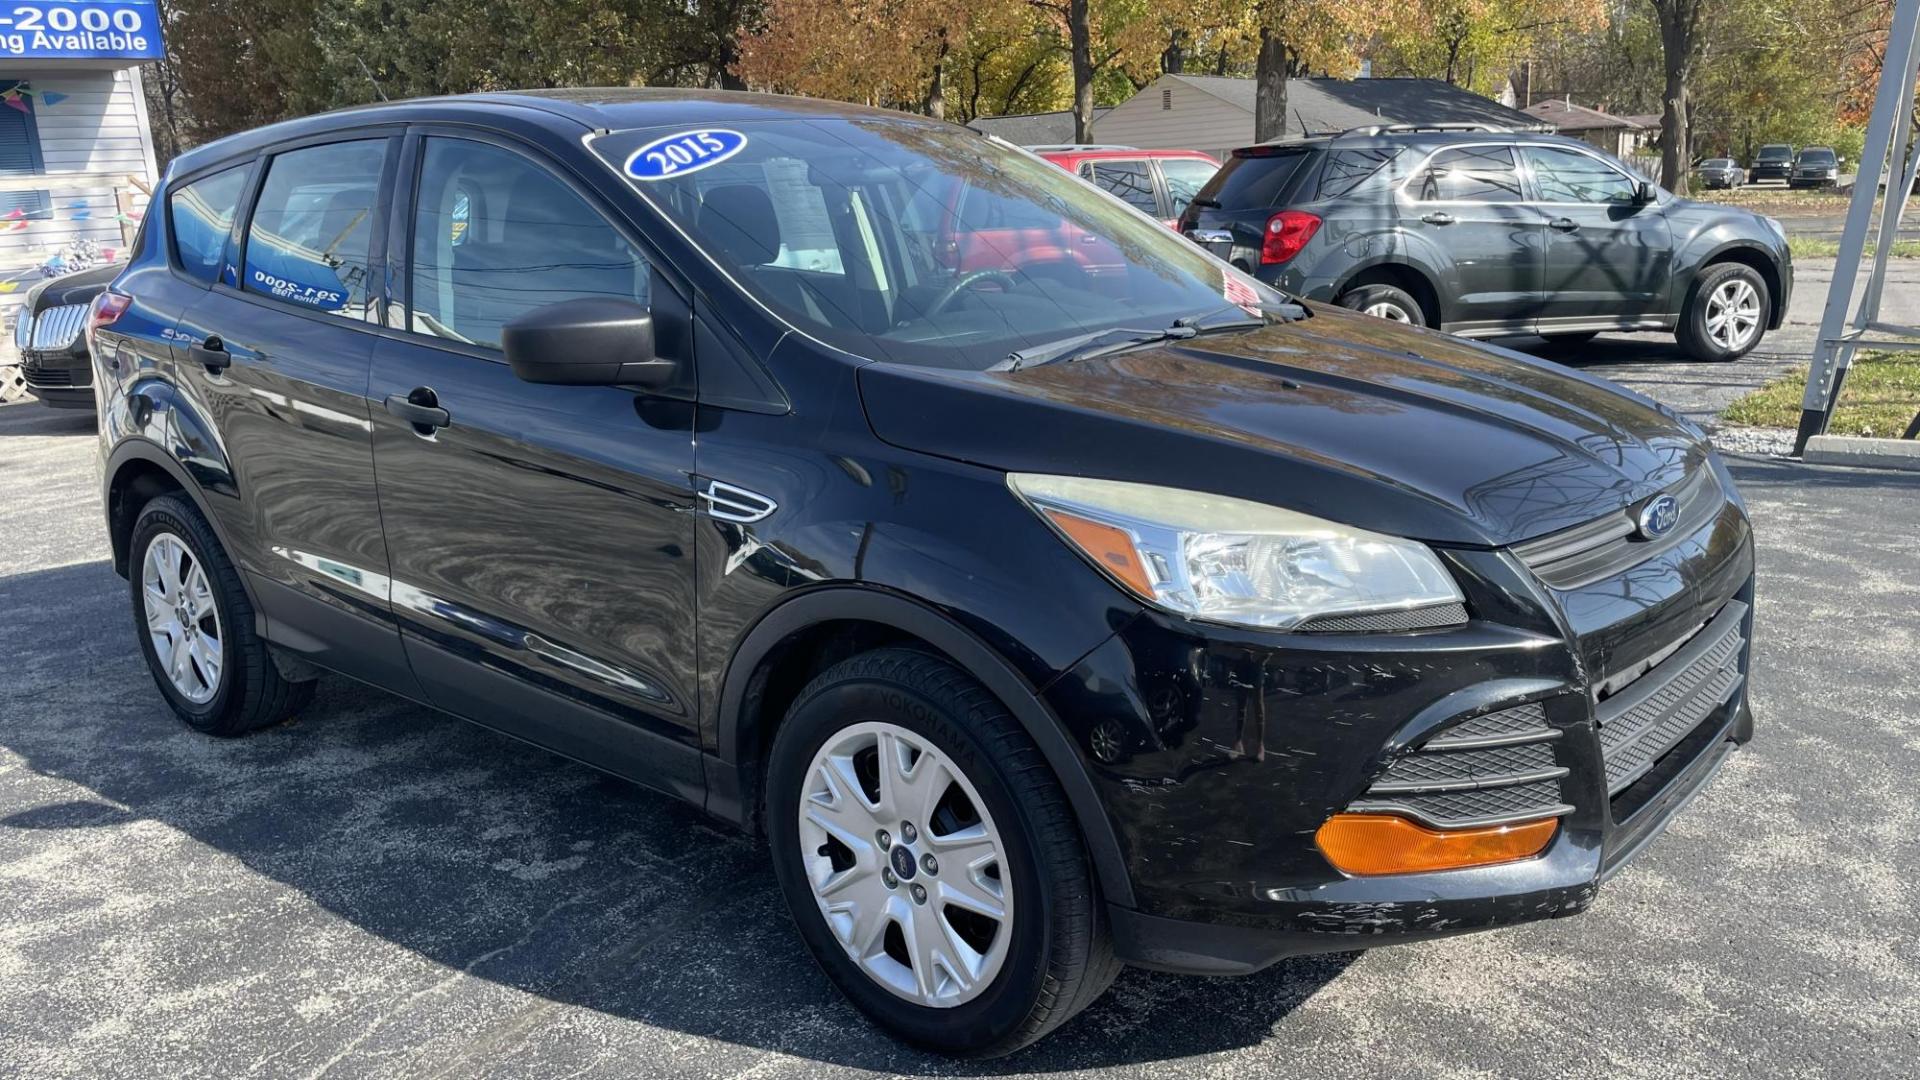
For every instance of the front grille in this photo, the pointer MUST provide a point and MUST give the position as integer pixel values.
(57, 328)
(1610, 545)
(1492, 769)
(1653, 714)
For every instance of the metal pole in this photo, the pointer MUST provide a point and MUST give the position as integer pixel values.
(1892, 112)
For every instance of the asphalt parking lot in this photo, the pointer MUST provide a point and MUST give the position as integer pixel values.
(378, 890)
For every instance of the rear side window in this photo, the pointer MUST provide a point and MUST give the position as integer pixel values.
(1484, 174)
(1185, 177)
(496, 236)
(1347, 170)
(308, 241)
(1130, 181)
(1255, 178)
(201, 216)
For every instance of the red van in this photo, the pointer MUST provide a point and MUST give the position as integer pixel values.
(1159, 183)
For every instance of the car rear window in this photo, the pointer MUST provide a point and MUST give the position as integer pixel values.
(1255, 177)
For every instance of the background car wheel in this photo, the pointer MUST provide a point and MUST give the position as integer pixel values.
(1726, 314)
(930, 859)
(1384, 302)
(195, 626)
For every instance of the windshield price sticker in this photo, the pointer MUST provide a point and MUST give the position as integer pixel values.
(685, 152)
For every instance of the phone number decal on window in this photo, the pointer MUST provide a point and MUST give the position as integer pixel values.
(311, 295)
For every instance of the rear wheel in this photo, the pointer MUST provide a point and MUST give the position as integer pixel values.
(929, 858)
(195, 626)
(1384, 302)
(1726, 314)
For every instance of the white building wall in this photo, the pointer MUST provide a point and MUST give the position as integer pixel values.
(1172, 115)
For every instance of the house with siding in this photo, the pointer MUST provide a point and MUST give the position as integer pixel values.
(76, 152)
(1214, 114)
(1621, 136)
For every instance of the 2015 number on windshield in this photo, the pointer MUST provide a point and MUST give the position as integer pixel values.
(684, 152)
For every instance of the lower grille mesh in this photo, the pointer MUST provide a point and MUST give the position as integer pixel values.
(1650, 717)
(1491, 769)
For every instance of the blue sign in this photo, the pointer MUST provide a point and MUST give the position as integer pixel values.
(80, 30)
(688, 151)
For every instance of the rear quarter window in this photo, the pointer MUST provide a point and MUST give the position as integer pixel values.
(1349, 171)
(1258, 180)
(201, 215)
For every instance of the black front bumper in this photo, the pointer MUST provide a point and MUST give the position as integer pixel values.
(61, 380)
(1233, 749)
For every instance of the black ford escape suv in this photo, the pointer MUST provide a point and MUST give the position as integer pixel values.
(1043, 615)
(1484, 232)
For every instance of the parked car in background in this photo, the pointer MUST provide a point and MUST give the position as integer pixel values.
(1158, 183)
(1486, 233)
(1773, 162)
(1719, 173)
(1041, 629)
(1815, 166)
(48, 333)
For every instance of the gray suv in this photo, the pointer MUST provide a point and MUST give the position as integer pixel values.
(1483, 232)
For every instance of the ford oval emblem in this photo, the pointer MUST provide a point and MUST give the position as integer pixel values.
(684, 152)
(1659, 516)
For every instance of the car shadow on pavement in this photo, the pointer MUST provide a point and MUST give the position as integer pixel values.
(33, 418)
(369, 823)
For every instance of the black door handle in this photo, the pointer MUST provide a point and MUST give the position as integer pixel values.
(1438, 217)
(212, 354)
(421, 408)
(1564, 224)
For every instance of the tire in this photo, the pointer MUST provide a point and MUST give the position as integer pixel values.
(1055, 955)
(1384, 301)
(232, 686)
(1720, 284)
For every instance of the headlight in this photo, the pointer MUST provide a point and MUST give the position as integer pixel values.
(1229, 560)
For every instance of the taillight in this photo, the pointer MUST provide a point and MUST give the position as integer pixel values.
(107, 307)
(1287, 232)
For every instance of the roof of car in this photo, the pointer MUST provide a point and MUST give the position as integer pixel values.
(1108, 153)
(583, 109)
(1363, 139)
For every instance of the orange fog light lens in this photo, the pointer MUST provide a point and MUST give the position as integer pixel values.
(1368, 844)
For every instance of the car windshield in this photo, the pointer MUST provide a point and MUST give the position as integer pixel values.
(922, 243)
(1817, 157)
(1775, 153)
(1716, 163)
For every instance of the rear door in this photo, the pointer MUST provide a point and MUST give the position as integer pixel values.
(1609, 258)
(1465, 209)
(1182, 179)
(542, 536)
(278, 351)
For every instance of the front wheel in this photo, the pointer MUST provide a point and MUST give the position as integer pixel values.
(1384, 302)
(1726, 313)
(929, 858)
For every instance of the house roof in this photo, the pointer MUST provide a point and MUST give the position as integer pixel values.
(1567, 116)
(1031, 129)
(1321, 105)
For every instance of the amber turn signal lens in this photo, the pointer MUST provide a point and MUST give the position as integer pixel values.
(1110, 547)
(1369, 844)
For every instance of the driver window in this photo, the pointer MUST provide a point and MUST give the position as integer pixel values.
(496, 236)
(1568, 176)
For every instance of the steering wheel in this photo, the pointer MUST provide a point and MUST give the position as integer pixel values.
(962, 284)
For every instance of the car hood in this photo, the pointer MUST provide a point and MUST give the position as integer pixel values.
(1345, 417)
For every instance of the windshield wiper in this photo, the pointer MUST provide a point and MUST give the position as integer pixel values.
(1086, 346)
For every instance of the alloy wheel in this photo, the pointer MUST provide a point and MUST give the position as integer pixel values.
(906, 864)
(1733, 313)
(182, 619)
(1388, 310)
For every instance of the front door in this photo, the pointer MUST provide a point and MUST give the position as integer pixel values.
(278, 350)
(1608, 257)
(541, 536)
(1465, 209)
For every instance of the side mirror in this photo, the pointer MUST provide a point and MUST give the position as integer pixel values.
(592, 341)
(1642, 193)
